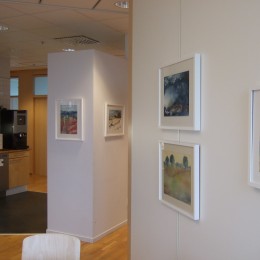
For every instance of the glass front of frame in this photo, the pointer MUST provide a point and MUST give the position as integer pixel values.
(179, 177)
(69, 119)
(114, 120)
(254, 139)
(180, 95)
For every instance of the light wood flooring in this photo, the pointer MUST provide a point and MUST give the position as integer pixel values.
(112, 247)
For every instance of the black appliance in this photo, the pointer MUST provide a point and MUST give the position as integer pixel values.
(13, 126)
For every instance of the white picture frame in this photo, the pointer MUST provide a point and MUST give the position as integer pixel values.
(114, 120)
(254, 139)
(179, 94)
(68, 117)
(179, 177)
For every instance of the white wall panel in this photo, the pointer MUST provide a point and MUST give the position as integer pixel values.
(226, 35)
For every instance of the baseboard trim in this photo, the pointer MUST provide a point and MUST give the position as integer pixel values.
(16, 190)
(110, 230)
(90, 239)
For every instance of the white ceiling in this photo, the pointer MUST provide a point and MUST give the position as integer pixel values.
(34, 25)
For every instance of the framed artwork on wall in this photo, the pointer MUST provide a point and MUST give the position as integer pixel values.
(179, 177)
(114, 120)
(254, 139)
(179, 95)
(69, 119)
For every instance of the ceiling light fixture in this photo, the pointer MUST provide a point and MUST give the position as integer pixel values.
(68, 49)
(122, 4)
(3, 27)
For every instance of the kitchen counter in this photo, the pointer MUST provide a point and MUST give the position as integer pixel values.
(18, 169)
(13, 150)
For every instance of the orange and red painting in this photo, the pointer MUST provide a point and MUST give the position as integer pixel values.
(68, 119)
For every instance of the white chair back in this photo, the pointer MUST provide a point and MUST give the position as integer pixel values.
(51, 247)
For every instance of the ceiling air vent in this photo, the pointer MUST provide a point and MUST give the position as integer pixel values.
(77, 40)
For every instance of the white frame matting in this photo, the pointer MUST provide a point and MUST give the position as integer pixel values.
(179, 95)
(254, 139)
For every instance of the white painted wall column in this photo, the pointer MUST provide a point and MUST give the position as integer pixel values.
(87, 180)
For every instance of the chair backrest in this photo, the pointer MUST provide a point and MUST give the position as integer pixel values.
(51, 247)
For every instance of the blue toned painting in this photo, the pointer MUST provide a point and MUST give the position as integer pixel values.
(176, 94)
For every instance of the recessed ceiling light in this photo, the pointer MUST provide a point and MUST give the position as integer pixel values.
(3, 27)
(68, 49)
(122, 4)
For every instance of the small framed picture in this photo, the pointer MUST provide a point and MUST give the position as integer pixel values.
(114, 120)
(69, 119)
(179, 177)
(179, 95)
(254, 139)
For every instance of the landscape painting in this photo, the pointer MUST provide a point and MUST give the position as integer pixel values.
(179, 95)
(114, 123)
(179, 183)
(176, 94)
(177, 168)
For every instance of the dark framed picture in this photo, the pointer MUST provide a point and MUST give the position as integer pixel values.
(179, 95)
(179, 177)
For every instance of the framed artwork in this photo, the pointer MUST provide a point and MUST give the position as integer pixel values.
(179, 177)
(69, 119)
(179, 95)
(254, 139)
(114, 120)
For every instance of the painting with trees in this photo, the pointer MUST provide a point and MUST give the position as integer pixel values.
(179, 177)
(177, 174)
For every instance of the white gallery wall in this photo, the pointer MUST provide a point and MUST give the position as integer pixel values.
(226, 34)
(87, 180)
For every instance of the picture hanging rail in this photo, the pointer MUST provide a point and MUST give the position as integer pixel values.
(179, 182)
(69, 119)
(114, 120)
(254, 139)
(179, 95)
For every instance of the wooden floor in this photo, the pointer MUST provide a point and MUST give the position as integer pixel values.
(112, 247)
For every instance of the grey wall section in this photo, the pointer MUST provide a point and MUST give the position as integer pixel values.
(4, 82)
(225, 33)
